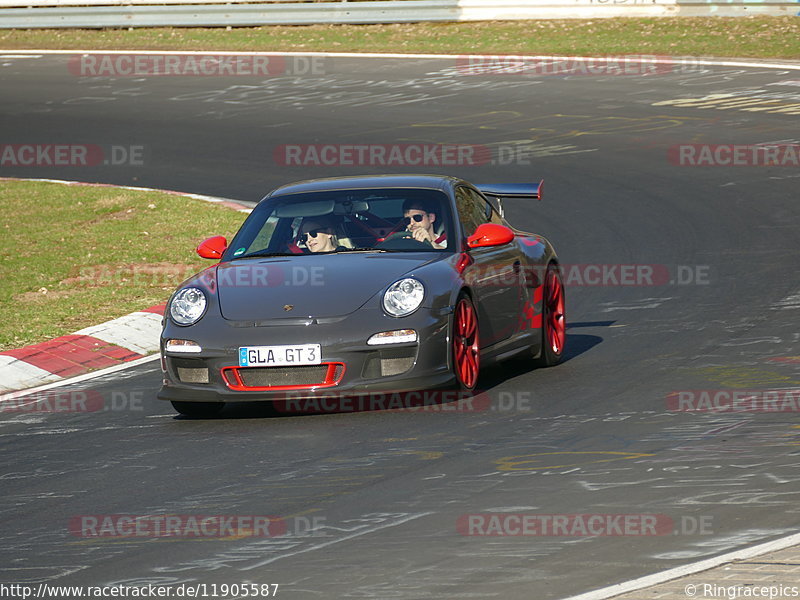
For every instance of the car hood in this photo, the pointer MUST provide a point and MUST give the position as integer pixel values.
(321, 286)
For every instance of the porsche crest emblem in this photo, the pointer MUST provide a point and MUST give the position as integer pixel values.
(288, 306)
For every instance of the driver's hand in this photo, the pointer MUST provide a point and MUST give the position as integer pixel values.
(421, 235)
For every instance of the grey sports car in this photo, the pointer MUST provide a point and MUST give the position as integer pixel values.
(358, 285)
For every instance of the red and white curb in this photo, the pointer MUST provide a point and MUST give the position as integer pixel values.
(120, 340)
(127, 338)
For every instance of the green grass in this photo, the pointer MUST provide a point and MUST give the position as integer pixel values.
(755, 37)
(75, 256)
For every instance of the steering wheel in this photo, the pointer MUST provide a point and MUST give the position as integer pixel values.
(403, 240)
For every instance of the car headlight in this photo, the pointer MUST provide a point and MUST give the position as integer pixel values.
(403, 297)
(188, 305)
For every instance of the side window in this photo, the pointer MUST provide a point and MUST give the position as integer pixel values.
(470, 213)
(490, 212)
(495, 217)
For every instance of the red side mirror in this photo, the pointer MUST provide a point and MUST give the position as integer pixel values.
(213, 247)
(490, 234)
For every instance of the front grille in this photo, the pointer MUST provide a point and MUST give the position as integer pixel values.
(270, 376)
(260, 378)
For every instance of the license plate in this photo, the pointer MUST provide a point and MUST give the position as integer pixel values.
(279, 356)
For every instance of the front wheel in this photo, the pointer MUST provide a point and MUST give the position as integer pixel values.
(200, 410)
(554, 322)
(466, 351)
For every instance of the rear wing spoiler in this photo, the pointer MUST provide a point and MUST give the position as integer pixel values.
(512, 190)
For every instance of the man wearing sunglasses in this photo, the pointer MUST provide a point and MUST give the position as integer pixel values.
(419, 220)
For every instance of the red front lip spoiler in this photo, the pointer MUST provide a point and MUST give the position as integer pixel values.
(233, 379)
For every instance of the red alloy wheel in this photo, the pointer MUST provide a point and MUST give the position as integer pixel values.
(466, 355)
(555, 323)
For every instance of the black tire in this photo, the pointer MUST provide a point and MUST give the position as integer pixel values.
(198, 410)
(554, 321)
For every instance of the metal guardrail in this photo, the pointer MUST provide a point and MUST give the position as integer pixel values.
(211, 13)
(239, 14)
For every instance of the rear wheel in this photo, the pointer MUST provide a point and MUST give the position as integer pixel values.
(554, 323)
(466, 351)
(201, 410)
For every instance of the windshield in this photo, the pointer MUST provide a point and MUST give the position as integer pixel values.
(396, 220)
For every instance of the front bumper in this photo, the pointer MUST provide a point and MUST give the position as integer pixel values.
(352, 366)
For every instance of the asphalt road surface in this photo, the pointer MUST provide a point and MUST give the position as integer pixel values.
(374, 502)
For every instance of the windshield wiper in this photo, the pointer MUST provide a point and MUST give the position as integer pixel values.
(363, 250)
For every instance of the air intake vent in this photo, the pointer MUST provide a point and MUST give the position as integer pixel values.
(389, 361)
(199, 375)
